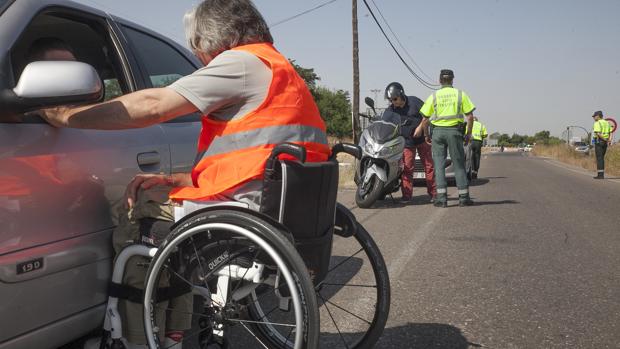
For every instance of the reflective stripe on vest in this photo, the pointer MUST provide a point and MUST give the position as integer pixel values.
(266, 135)
(458, 116)
(233, 152)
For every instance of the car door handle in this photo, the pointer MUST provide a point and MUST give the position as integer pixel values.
(148, 158)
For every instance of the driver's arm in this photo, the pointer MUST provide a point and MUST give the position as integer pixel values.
(138, 109)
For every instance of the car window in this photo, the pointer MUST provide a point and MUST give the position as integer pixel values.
(88, 38)
(163, 63)
(3, 5)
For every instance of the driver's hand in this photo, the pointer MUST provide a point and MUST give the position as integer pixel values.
(143, 181)
(428, 139)
(53, 116)
(418, 132)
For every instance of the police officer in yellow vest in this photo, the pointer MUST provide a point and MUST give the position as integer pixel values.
(449, 111)
(478, 134)
(600, 135)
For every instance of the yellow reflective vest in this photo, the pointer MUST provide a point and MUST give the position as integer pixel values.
(447, 107)
(603, 128)
(478, 131)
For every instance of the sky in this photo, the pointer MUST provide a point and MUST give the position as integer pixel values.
(527, 65)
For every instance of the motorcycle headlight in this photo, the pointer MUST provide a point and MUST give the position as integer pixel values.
(388, 150)
(368, 148)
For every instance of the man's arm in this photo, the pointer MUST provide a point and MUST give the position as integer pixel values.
(422, 129)
(134, 110)
(470, 125)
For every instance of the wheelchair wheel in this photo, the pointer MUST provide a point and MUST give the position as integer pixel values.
(213, 268)
(354, 298)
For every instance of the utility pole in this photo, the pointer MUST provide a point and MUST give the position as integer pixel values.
(356, 77)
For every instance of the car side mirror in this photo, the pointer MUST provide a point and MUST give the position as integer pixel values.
(52, 83)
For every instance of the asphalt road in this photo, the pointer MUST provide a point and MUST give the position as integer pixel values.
(534, 264)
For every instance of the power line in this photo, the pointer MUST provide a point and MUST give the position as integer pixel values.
(397, 40)
(302, 13)
(425, 83)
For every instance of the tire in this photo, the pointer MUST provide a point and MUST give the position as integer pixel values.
(237, 243)
(365, 200)
(341, 326)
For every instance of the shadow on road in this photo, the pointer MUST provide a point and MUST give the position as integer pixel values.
(499, 202)
(478, 181)
(436, 336)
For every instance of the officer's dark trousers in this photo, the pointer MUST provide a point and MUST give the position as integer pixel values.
(449, 139)
(476, 153)
(600, 149)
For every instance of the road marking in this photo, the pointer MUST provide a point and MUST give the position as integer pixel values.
(560, 165)
(421, 234)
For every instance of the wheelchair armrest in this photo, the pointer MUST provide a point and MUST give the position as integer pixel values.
(346, 224)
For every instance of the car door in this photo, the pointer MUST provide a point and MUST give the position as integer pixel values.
(162, 62)
(60, 188)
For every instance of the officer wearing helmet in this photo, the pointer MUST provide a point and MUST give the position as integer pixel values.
(408, 107)
(450, 113)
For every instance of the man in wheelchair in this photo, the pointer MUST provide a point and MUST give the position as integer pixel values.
(251, 99)
(222, 247)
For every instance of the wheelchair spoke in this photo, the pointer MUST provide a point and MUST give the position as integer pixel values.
(289, 335)
(333, 320)
(346, 260)
(261, 323)
(191, 239)
(348, 285)
(245, 273)
(346, 311)
(253, 335)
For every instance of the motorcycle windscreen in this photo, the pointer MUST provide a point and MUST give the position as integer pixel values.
(386, 128)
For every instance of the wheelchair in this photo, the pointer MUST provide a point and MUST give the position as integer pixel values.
(300, 272)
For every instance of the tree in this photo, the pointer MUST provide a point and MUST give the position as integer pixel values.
(334, 106)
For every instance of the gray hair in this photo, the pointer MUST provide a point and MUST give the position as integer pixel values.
(218, 25)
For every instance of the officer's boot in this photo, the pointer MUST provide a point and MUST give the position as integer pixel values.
(600, 175)
(465, 200)
(441, 200)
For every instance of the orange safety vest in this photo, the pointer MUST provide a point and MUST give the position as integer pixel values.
(234, 152)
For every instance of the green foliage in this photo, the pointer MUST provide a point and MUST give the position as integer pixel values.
(334, 106)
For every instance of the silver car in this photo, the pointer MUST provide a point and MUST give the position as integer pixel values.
(60, 188)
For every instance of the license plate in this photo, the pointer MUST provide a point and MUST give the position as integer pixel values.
(419, 175)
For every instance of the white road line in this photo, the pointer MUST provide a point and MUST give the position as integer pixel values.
(421, 234)
(560, 165)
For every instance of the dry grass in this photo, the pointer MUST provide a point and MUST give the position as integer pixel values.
(567, 155)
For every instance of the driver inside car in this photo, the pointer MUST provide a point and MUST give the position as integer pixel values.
(250, 98)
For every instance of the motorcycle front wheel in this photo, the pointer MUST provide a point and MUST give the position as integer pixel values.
(367, 193)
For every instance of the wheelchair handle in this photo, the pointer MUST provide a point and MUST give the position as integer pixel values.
(292, 149)
(349, 148)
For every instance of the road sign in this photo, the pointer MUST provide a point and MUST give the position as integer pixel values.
(613, 123)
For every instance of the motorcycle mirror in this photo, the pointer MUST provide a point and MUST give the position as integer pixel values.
(371, 103)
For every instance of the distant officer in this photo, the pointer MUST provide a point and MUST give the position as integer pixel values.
(478, 134)
(447, 109)
(408, 107)
(601, 133)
